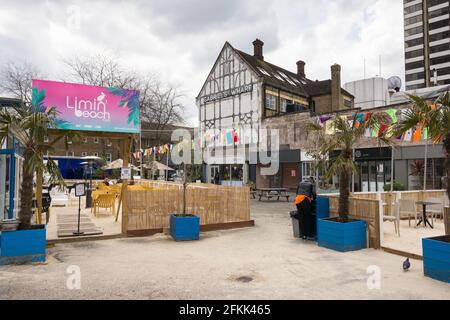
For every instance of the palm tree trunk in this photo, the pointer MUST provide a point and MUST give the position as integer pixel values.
(344, 193)
(26, 193)
(447, 162)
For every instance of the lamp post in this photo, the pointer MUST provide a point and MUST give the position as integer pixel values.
(90, 163)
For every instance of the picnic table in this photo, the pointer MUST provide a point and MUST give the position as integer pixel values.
(270, 193)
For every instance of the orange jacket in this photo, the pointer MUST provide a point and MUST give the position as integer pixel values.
(300, 198)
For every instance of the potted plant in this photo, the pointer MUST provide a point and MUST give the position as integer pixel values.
(30, 124)
(434, 117)
(184, 227)
(343, 233)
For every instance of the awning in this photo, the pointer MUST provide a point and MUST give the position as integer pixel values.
(155, 165)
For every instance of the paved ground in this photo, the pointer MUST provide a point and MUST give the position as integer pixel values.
(158, 268)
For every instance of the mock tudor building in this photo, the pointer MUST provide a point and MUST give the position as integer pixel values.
(246, 91)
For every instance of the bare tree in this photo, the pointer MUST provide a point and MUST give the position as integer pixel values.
(15, 80)
(101, 70)
(162, 107)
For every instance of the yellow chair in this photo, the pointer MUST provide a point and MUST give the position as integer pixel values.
(102, 186)
(105, 201)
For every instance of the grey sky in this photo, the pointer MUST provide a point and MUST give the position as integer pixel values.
(179, 39)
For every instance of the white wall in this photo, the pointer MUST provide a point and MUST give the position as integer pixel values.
(369, 93)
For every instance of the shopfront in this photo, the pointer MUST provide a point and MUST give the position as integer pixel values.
(410, 167)
(11, 168)
(374, 169)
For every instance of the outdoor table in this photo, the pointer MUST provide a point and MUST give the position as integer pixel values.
(424, 219)
(272, 192)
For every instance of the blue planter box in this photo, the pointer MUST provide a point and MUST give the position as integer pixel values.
(436, 258)
(22, 246)
(343, 237)
(322, 208)
(184, 228)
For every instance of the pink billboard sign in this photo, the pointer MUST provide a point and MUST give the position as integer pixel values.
(88, 108)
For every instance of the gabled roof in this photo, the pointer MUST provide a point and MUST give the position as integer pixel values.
(281, 78)
(276, 76)
(321, 88)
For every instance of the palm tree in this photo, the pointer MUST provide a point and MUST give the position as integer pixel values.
(347, 135)
(434, 117)
(30, 125)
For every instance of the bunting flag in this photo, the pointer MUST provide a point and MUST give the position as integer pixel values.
(383, 129)
(375, 132)
(229, 138)
(393, 114)
(425, 134)
(408, 135)
(358, 120)
(235, 136)
(323, 120)
(417, 135)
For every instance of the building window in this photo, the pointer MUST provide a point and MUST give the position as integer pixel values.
(96, 140)
(84, 154)
(108, 157)
(271, 102)
(283, 105)
(348, 103)
(70, 154)
(45, 139)
(85, 139)
(108, 143)
(95, 154)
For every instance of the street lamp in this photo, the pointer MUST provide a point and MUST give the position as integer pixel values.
(89, 161)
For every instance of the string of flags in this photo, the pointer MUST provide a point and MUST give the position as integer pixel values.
(420, 133)
(225, 137)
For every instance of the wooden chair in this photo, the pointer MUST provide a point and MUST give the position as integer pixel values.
(408, 208)
(105, 201)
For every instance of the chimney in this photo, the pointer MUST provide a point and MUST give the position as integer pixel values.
(336, 95)
(258, 49)
(301, 68)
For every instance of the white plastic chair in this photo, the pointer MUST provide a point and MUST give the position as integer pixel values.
(395, 218)
(436, 210)
(408, 208)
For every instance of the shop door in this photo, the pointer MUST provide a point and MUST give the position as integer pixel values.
(214, 170)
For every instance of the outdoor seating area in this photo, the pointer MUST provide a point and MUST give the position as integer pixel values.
(149, 204)
(272, 193)
(399, 221)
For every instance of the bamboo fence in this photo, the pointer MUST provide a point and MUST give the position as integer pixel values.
(151, 209)
(362, 209)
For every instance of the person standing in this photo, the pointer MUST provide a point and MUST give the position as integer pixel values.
(217, 178)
